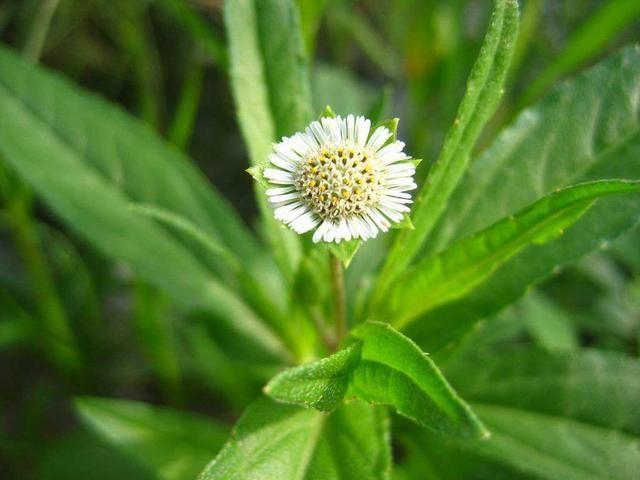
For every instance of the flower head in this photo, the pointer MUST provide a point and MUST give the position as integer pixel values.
(340, 179)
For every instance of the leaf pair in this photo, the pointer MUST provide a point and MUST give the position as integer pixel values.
(381, 366)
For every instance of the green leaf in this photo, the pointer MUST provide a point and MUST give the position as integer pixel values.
(289, 443)
(549, 325)
(327, 112)
(345, 250)
(589, 40)
(179, 223)
(484, 89)
(174, 445)
(77, 170)
(342, 90)
(81, 454)
(120, 149)
(594, 387)
(558, 449)
(558, 416)
(321, 384)
(595, 135)
(366, 37)
(470, 261)
(270, 85)
(394, 371)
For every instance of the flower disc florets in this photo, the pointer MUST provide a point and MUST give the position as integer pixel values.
(338, 178)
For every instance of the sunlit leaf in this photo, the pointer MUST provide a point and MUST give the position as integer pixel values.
(289, 443)
(394, 371)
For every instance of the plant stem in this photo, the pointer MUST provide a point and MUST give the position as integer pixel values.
(337, 286)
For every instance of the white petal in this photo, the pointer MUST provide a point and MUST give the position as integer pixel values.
(373, 228)
(390, 213)
(401, 182)
(379, 136)
(305, 222)
(330, 232)
(351, 128)
(279, 190)
(397, 194)
(332, 128)
(390, 198)
(382, 223)
(289, 213)
(363, 125)
(319, 233)
(275, 175)
(394, 205)
(315, 130)
(282, 162)
(284, 198)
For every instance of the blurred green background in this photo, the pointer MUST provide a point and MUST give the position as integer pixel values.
(165, 61)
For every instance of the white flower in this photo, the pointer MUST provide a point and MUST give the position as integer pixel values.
(341, 180)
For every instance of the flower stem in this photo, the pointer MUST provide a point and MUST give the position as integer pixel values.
(337, 286)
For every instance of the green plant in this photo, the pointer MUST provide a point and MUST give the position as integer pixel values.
(408, 349)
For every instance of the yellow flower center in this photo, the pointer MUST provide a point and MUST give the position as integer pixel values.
(339, 180)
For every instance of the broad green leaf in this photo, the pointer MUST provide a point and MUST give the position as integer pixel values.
(589, 40)
(355, 443)
(270, 85)
(174, 445)
(183, 225)
(394, 371)
(108, 141)
(484, 89)
(558, 449)
(321, 384)
(593, 387)
(120, 149)
(554, 416)
(425, 457)
(289, 443)
(465, 264)
(255, 293)
(68, 173)
(595, 135)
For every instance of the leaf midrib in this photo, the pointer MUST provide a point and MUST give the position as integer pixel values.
(435, 399)
(63, 138)
(575, 177)
(480, 266)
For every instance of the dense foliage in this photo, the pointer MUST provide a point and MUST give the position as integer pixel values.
(147, 330)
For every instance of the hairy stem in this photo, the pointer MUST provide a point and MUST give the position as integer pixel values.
(337, 287)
